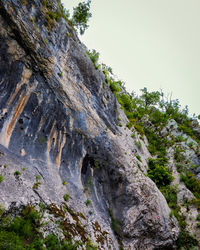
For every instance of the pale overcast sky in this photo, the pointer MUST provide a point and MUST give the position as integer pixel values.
(149, 43)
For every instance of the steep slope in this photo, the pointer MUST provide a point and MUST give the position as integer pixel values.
(58, 125)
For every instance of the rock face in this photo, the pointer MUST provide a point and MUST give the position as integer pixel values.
(59, 120)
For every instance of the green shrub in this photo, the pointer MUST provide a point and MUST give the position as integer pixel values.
(179, 139)
(87, 202)
(170, 194)
(1, 178)
(157, 144)
(178, 155)
(23, 232)
(157, 117)
(138, 157)
(17, 173)
(133, 136)
(52, 242)
(66, 197)
(139, 129)
(114, 86)
(180, 167)
(185, 129)
(36, 185)
(10, 240)
(126, 101)
(159, 174)
(38, 177)
(129, 124)
(60, 74)
(186, 241)
(94, 56)
(191, 183)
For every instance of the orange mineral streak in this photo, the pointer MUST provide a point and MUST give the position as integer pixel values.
(20, 107)
(26, 74)
(10, 124)
(60, 148)
(49, 142)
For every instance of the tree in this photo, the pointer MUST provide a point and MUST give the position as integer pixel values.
(150, 98)
(81, 16)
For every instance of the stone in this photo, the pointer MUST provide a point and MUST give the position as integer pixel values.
(59, 121)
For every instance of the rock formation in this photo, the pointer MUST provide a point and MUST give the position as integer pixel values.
(59, 135)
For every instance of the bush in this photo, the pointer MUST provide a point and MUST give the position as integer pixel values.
(191, 183)
(139, 129)
(159, 174)
(87, 202)
(52, 242)
(114, 86)
(157, 144)
(81, 16)
(170, 194)
(138, 157)
(17, 173)
(186, 240)
(10, 240)
(66, 197)
(180, 167)
(94, 56)
(1, 178)
(126, 101)
(157, 117)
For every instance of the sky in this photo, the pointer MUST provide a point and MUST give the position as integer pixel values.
(149, 43)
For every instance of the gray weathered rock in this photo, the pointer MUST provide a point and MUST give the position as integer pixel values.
(58, 120)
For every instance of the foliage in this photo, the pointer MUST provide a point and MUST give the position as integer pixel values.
(23, 232)
(81, 16)
(94, 56)
(138, 157)
(150, 98)
(66, 197)
(159, 173)
(157, 117)
(60, 74)
(17, 173)
(14, 234)
(126, 101)
(157, 144)
(114, 86)
(170, 194)
(186, 241)
(191, 183)
(178, 155)
(87, 202)
(1, 178)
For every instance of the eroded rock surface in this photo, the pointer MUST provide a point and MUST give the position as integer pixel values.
(58, 120)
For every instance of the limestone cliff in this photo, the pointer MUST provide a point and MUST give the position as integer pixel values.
(59, 135)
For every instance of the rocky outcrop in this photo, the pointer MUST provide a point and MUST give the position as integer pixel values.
(58, 120)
